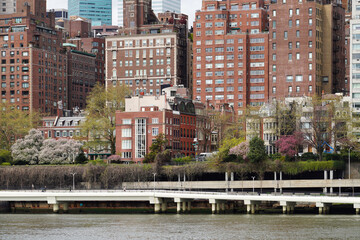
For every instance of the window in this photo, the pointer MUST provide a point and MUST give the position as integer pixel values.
(155, 131)
(155, 120)
(310, 55)
(297, 56)
(126, 144)
(290, 45)
(297, 89)
(297, 11)
(126, 121)
(274, 13)
(290, 56)
(298, 78)
(310, 44)
(285, 34)
(310, 33)
(310, 88)
(297, 44)
(310, 11)
(290, 23)
(126, 132)
(289, 78)
(290, 89)
(297, 33)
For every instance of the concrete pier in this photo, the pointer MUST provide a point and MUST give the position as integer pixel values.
(66, 207)
(178, 207)
(189, 206)
(157, 208)
(184, 206)
(213, 208)
(56, 208)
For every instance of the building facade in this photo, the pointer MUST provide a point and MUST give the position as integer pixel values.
(7, 6)
(355, 56)
(307, 48)
(33, 63)
(98, 11)
(81, 77)
(158, 6)
(146, 117)
(230, 54)
(149, 53)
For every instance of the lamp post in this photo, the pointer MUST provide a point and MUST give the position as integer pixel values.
(253, 178)
(154, 180)
(73, 174)
(349, 162)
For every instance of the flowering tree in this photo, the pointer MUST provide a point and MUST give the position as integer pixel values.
(240, 150)
(59, 151)
(289, 145)
(33, 149)
(27, 150)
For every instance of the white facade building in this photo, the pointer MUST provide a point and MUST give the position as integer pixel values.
(158, 6)
(355, 56)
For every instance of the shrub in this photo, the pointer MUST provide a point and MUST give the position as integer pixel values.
(6, 164)
(5, 156)
(309, 156)
(275, 156)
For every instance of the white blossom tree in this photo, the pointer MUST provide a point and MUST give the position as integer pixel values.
(33, 149)
(59, 151)
(27, 150)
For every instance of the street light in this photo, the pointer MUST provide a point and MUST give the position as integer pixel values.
(73, 174)
(154, 180)
(339, 187)
(253, 178)
(349, 162)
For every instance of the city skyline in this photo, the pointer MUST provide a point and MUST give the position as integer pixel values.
(187, 7)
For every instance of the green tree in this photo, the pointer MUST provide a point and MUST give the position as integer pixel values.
(257, 153)
(156, 147)
(226, 144)
(15, 124)
(5, 156)
(99, 126)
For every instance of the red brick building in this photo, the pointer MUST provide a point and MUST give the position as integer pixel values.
(230, 53)
(81, 76)
(146, 117)
(306, 41)
(33, 64)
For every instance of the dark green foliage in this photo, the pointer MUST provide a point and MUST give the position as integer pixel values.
(332, 156)
(275, 156)
(81, 158)
(309, 156)
(257, 153)
(5, 156)
(156, 147)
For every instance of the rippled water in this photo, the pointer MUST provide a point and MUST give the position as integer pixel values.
(172, 226)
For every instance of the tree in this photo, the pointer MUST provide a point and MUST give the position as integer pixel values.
(59, 151)
(158, 146)
(257, 153)
(240, 150)
(99, 126)
(5, 156)
(226, 145)
(27, 150)
(289, 145)
(322, 125)
(14, 124)
(33, 149)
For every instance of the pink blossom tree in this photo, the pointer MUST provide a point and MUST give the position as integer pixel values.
(289, 145)
(240, 150)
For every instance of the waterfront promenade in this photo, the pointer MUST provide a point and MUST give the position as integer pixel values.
(183, 199)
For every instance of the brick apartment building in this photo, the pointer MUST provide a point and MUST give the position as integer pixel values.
(33, 65)
(146, 117)
(307, 46)
(148, 52)
(230, 53)
(81, 76)
(78, 32)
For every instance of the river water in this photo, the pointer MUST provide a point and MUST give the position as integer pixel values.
(172, 226)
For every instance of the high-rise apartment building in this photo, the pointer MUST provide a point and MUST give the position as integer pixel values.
(230, 53)
(33, 64)
(149, 53)
(355, 56)
(158, 6)
(98, 11)
(307, 46)
(7, 6)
